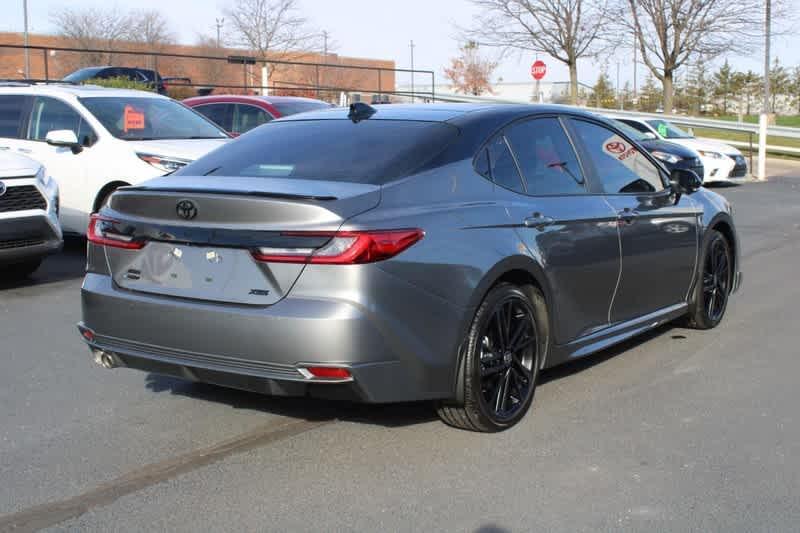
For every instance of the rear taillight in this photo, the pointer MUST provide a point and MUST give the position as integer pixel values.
(101, 231)
(328, 372)
(344, 247)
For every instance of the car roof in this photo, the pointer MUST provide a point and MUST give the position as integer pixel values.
(250, 98)
(460, 113)
(69, 89)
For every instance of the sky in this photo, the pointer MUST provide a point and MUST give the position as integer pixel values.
(379, 29)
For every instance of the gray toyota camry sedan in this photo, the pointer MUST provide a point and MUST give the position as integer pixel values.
(423, 252)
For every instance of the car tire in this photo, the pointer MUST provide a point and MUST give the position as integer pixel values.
(22, 270)
(500, 366)
(714, 283)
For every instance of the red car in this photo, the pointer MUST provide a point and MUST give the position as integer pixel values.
(237, 114)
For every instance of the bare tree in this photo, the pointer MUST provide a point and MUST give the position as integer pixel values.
(270, 27)
(93, 28)
(150, 28)
(672, 32)
(469, 72)
(566, 30)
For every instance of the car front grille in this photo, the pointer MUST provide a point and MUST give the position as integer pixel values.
(19, 243)
(740, 166)
(22, 198)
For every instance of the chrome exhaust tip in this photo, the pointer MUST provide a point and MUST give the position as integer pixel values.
(104, 359)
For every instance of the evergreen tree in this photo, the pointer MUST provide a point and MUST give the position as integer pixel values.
(649, 95)
(723, 84)
(780, 82)
(603, 92)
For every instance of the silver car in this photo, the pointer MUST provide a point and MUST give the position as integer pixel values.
(438, 252)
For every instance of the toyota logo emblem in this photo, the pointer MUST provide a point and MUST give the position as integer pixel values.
(2, 188)
(186, 209)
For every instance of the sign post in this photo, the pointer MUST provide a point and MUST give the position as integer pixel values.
(538, 71)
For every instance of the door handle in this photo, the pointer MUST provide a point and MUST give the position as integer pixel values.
(628, 215)
(538, 221)
(24, 150)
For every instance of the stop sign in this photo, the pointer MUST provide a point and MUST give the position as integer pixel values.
(538, 69)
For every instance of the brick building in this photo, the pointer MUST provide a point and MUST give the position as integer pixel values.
(286, 79)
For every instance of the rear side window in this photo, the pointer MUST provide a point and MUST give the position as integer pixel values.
(219, 114)
(636, 125)
(545, 155)
(11, 108)
(370, 151)
(502, 167)
(248, 117)
(51, 114)
(620, 166)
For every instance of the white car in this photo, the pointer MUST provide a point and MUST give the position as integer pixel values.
(720, 161)
(29, 228)
(93, 140)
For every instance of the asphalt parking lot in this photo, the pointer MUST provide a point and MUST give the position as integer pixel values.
(679, 430)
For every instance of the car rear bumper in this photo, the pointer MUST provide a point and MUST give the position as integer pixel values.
(264, 349)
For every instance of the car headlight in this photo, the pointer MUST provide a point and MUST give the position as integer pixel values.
(43, 177)
(712, 155)
(665, 157)
(165, 164)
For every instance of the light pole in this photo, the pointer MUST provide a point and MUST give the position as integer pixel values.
(220, 22)
(619, 89)
(762, 121)
(412, 45)
(27, 52)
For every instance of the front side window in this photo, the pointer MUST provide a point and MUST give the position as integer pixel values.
(248, 117)
(11, 108)
(145, 119)
(50, 114)
(620, 167)
(219, 114)
(546, 158)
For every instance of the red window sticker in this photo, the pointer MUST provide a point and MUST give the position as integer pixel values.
(132, 119)
(616, 147)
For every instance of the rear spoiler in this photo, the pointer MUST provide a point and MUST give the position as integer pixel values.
(261, 194)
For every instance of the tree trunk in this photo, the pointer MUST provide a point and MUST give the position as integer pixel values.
(573, 82)
(668, 92)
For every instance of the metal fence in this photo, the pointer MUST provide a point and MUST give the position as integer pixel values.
(317, 78)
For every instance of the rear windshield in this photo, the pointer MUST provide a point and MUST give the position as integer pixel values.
(371, 151)
(299, 106)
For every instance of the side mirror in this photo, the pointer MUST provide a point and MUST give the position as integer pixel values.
(685, 181)
(65, 138)
(650, 136)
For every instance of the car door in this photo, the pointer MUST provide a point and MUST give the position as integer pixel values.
(658, 230)
(69, 169)
(219, 113)
(570, 231)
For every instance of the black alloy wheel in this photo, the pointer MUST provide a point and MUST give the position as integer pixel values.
(713, 287)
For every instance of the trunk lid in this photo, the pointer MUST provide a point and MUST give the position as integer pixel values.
(200, 232)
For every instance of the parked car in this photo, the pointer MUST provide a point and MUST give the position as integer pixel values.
(720, 161)
(149, 77)
(436, 252)
(29, 229)
(238, 114)
(671, 155)
(93, 140)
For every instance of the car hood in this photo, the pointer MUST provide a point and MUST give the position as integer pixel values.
(670, 147)
(14, 165)
(188, 149)
(707, 145)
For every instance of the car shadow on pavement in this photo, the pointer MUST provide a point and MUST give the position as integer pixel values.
(70, 263)
(388, 415)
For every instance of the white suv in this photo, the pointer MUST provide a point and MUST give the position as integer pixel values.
(93, 140)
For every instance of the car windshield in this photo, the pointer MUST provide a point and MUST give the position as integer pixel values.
(145, 118)
(83, 74)
(371, 151)
(633, 133)
(667, 130)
